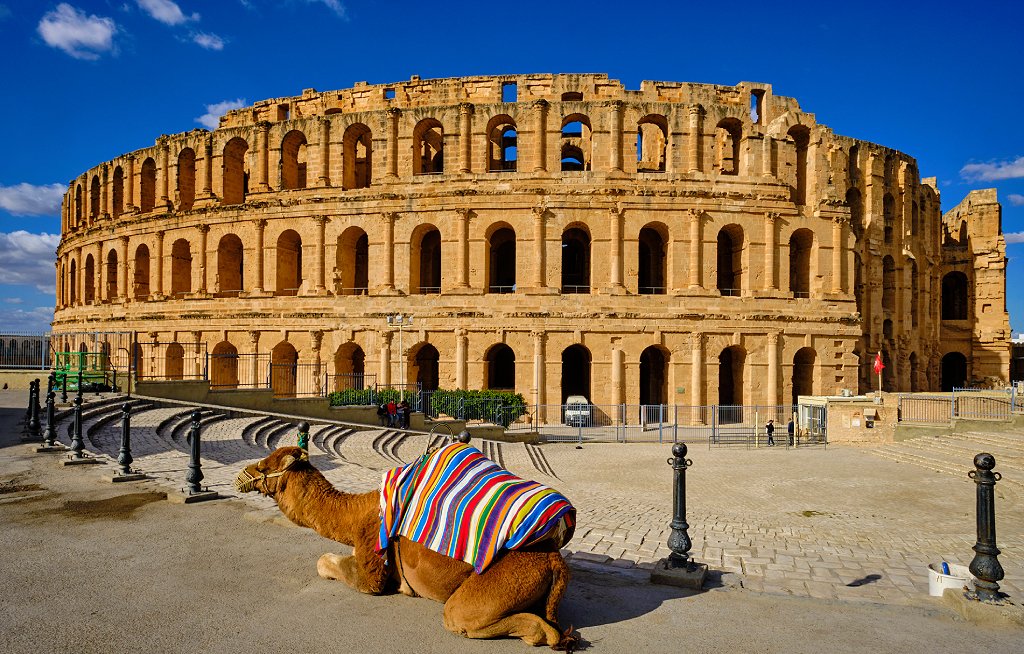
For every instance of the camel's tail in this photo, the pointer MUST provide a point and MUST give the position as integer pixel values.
(559, 582)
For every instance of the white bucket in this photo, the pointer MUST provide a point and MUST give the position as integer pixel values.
(958, 577)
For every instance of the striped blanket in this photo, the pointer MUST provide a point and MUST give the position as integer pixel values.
(459, 503)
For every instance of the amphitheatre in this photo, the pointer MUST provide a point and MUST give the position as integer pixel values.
(559, 235)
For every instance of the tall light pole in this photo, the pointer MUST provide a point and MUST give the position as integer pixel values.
(400, 321)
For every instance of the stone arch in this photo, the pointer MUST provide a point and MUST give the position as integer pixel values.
(654, 364)
(117, 204)
(730, 260)
(425, 260)
(181, 268)
(78, 205)
(357, 156)
(915, 289)
(888, 216)
(731, 363)
(94, 198)
(235, 177)
(349, 367)
(501, 258)
(652, 246)
(289, 263)
(147, 186)
(424, 366)
(801, 248)
(284, 369)
(352, 262)
(728, 138)
(576, 259)
(805, 363)
(575, 148)
(224, 365)
(651, 143)
(428, 147)
(89, 274)
(576, 364)
(140, 280)
(186, 179)
(174, 361)
(111, 286)
(230, 266)
(500, 368)
(888, 283)
(293, 160)
(955, 296)
(954, 371)
(856, 204)
(801, 137)
(502, 144)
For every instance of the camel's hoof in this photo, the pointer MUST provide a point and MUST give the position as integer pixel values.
(327, 566)
(569, 641)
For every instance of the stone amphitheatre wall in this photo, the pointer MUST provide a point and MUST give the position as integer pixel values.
(559, 234)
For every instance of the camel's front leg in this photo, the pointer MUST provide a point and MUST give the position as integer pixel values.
(353, 571)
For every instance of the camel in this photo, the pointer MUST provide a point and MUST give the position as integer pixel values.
(516, 596)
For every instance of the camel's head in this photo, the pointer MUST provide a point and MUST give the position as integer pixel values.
(267, 476)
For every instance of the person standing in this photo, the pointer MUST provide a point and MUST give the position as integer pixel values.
(770, 430)
(404, 409)
(789, 429)
(392, 413)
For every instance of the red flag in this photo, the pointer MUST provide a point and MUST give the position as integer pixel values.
(879, 366)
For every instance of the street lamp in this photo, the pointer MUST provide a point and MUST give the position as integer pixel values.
(400, 321)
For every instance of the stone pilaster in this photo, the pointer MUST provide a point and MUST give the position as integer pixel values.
(771, 246)
(772, 387)
(696, 135)
(540, 113)
(392, 158)
(320, 285)
(465, 137)
(697, 369)
(615, 135)
(696, 247)
(615, 247)
(324, 179)
(461, 350)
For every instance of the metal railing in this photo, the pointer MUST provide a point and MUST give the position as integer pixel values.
(729, 292)
(298, 380)
(170, 361)
(501, 289)
(430, 290)
(962, 403)
(27, 351)
(576, 289)
(238, 371)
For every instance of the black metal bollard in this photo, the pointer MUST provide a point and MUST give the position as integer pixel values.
(51, 381)
(79, 393)
(31, 395)
(64, 389)
(679, 539)
(304, 435)
(194, 477)
(77, 444)
(33, 410)
(985, 566)
(124, 457)
(463, 437)
(51, 429)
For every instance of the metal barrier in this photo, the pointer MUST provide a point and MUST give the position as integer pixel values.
(964, 403)
(25, 351)
(298, 380)
(173, 361)
(925, 409)
(238, 371)
(983, 404)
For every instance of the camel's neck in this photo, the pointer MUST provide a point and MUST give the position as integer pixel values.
(311, 501)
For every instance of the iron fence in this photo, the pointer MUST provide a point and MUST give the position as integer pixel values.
(26, 351)
(925, 409)
(239, 371)
(298, 380)
(170, 361)
(963, 403)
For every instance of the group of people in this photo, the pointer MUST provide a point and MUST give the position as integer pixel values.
(394, 414)
(770, 430)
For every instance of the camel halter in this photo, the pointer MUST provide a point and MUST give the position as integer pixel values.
(246, 482)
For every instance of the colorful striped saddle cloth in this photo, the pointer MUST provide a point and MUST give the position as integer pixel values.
(459, 503)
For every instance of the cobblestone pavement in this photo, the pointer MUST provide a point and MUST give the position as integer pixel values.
(842, 523)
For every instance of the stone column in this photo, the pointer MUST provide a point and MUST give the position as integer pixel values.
(129, 186)
(696, 136)
(615, 246)
(465, 137)
(697, 369)
(159, 291)
(389, 252)
(261, 225)
(540, 112)
(462, 261)
(122, 282)
(199, 360)
(539, 378)
(615, 134)
(204, 231)
(207, 190)
(766, 156)
(618, 372)
(461, 348)
(773, 368)
(771, 281)
(385, 358)
(325, 152)
(254, 348)
(539, 236)
(392, 159)
(262, 156)
(163, 181)
(320, 287)
(696, 247)
(104, 192)
(80, 282)
(318, 339)
(838, 281)
(98, 274)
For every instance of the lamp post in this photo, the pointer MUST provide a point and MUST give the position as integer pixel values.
(400, 321)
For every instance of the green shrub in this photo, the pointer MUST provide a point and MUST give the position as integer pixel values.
(498, 407)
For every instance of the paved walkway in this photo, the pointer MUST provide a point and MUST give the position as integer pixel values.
(842, 523)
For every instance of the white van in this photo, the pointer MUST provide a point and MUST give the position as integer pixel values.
(577, 411)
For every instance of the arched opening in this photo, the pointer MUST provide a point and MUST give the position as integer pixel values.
(349, 367)
(78, 205)
(728, 135)
(230, 266)
(801, 139)
(575, 372)
(289, 263)
(801, 243)
(425, 264)
(284, 369)
(423, 367)
(858, 283)
(501, 260)
(652, 260)
(575, 146)
(186, 179)
(224, 366)
(140, 280)
(293, 160)
(888, 216)
(888, 283)
(352, 262)
(887, 332)
(117, 194)
(653, 376)
(914, 291)
(111, 290)
(888, 373)
(94, 198)
(954, 296)
(428, 147)
(90, 280)
(915, 382)
(500, 368)
(954, 371)
(803, 373)
(853, 199)
(181, 268)
(852, 165)
(730, 260)
(651, 144)
(235, 172)
(915, 218)
(575, 261)
(502, 144)
(357, 156)
(174, 361)
(147, 186)
(730, 383)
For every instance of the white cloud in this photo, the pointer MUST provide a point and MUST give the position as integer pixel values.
(333, 5)
(31, 321)
(79, 35)
(993, 170)
(1016, 199)
(211, 119)
(1014, 237)
(27, 259)
(165, 11)
(208, 41)
(31, 200)
(13, 300)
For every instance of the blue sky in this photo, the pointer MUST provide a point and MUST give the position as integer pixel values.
(86, 80)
